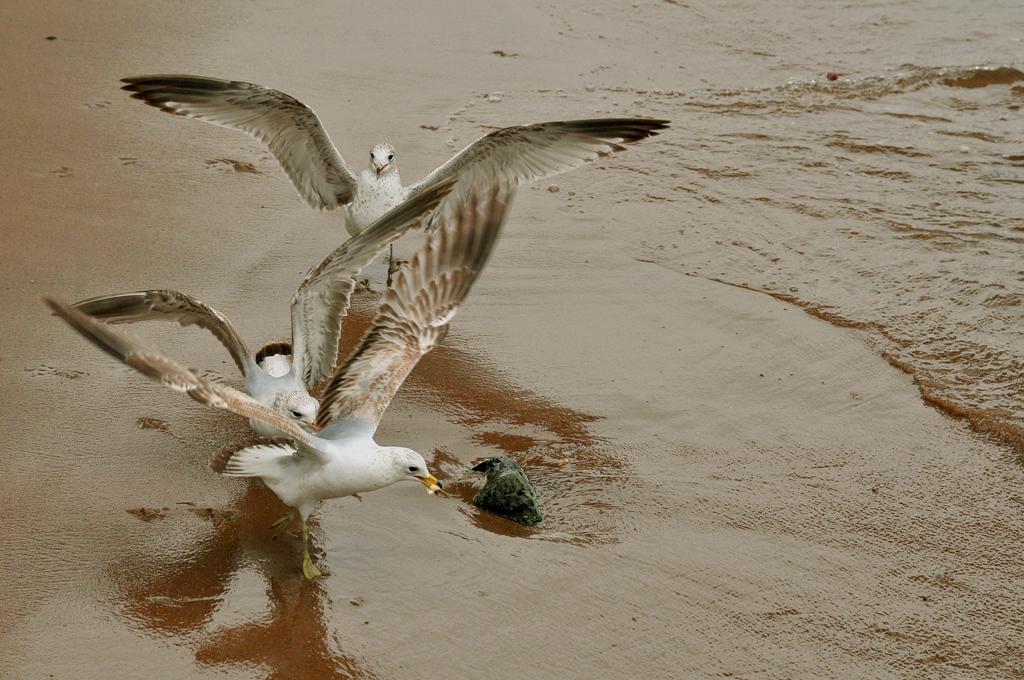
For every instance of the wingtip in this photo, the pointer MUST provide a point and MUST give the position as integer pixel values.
(626, 130)
(64, 310)
(56, 306)
(133, 83)
(172, 82)
(647, 127)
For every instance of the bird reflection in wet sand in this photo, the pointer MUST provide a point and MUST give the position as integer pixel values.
(177, 600)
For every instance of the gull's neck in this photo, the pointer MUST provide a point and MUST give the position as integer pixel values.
(357, 459)
(388, 180)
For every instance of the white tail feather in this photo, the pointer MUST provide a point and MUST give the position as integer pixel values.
(259, 460)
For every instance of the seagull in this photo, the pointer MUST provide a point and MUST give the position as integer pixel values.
(341, 458)
(282, 374)
(296, 138)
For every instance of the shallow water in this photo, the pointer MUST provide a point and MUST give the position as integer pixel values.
(890, 203)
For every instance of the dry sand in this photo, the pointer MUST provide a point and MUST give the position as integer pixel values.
(733, 488)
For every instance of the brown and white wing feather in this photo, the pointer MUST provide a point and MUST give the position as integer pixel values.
(169, 305)
(323, 297)
(131, 351)
(414, 314)
(290, 129)
(526, 153)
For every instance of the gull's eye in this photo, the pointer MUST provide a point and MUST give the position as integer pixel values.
(413, 468)
(296, 414)
(390, 156)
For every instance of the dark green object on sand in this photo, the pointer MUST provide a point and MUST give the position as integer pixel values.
(508, 492)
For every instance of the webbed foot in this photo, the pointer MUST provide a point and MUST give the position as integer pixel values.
(309, 569)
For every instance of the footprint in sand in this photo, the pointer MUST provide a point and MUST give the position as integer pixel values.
(44, 370)
(128, 160)
(102, 104)
(237, 166)
(63, 171)
(215, 515)
(208, 374)
(146, 423)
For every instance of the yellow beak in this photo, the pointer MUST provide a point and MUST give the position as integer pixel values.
(433, 486)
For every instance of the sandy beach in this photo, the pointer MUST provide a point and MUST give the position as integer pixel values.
(733, 487)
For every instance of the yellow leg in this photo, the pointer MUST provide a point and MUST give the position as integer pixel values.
(281, 525)
(309, 569)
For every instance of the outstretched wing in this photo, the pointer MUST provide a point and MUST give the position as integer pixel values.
(289, 128)
(414, 314)
(323, 297)
(168, 305)
(526, 153)
(165, 371)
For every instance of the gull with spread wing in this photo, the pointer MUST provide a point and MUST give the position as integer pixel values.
(294, 135)
(341, 458)
(281, 374)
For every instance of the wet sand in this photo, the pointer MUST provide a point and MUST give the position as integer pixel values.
(734, 488)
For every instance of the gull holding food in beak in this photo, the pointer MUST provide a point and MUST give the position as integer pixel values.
(341, 458)
(282, 374)
(294, 135)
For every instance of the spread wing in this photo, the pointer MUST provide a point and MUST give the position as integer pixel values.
(169, 305)
(165, 371)
(413, 315)
(289, 128)
(323, 297)
(526, 153)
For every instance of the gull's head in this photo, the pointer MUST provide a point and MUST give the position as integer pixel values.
(298, 405)
(409, 465)
(382, 159)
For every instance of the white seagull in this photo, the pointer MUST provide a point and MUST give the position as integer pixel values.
(282, 374)
(303, 468)
(294, 135)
